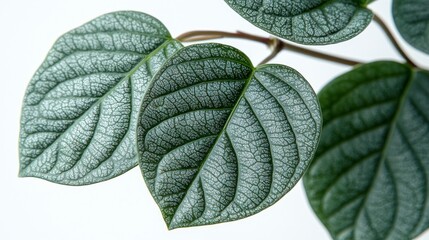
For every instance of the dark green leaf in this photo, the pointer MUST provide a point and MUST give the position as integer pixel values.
(219, 140)
(79, 115)
(369, 179)
(412, 20)
(308, 21)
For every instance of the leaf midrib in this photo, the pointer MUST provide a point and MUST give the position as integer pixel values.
(246, 86)
(383, 156)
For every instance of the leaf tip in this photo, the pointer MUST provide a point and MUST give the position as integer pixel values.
(22, 173)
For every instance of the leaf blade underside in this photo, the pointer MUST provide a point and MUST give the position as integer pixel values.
(219, 140)
(306, 22)
(79, 113)
(369, 179)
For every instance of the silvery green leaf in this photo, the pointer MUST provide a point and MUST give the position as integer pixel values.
(79, 114)
(220, 140)
(311, 22)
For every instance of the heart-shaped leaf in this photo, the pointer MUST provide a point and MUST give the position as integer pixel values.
(219, 140)
(369, 179)
(412, 20)
(80, 109)
(307, 21)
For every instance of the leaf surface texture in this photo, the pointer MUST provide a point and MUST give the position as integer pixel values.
(369, 179)
(80, 109)
(412, 20)
(311, 22)
(219, 140)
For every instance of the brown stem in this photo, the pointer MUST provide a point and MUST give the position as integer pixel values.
(276, 46)
(275, 43)
(320, 55)
(207, 35)
(392, 39)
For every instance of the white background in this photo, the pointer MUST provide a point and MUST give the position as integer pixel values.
(123, 208)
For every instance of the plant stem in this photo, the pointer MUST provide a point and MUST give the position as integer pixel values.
(275, 43)
(194, 36)
(392, 39)
(276, 46)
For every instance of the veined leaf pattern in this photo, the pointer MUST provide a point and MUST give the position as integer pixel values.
(311, 22)
(219, 140)
(412, 20)
(79, 114)
(369, 179)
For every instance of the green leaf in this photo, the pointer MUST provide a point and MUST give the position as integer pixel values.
(219, 140)
(80, 109)
(369, 179)
(412, 20)
(308, 21)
